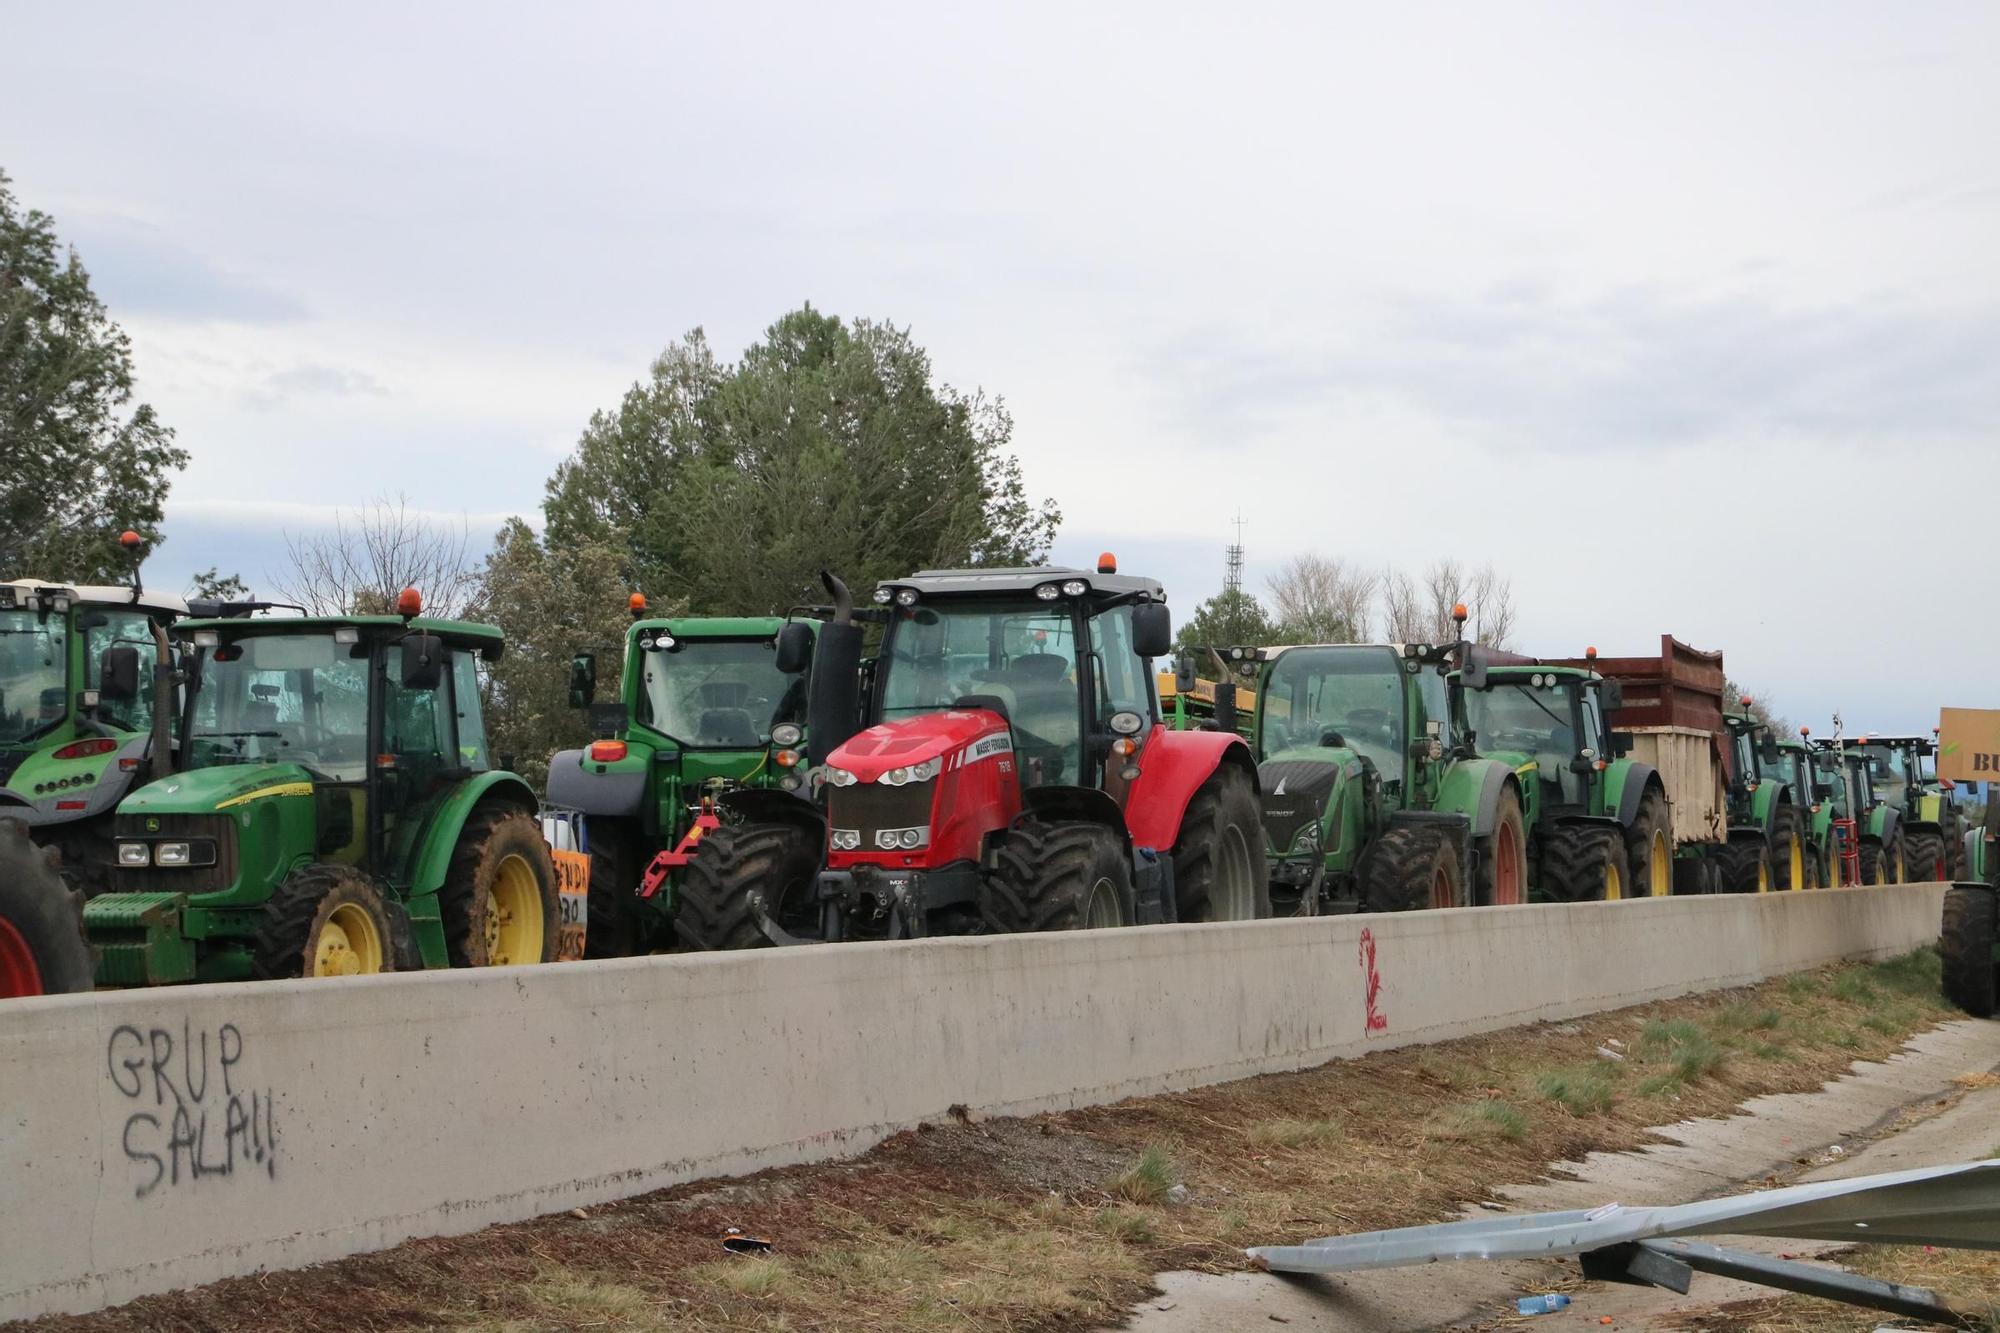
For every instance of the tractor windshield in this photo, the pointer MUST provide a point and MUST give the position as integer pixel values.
(718, 694)
(1021, 653)
(1885, 770)
(34, 674)
(282, 698)
(1336, 696)
(1521, 718)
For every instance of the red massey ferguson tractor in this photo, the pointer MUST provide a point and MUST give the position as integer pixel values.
(1016, 777)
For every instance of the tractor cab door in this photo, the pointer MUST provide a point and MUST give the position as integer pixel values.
(105, 628)
(1121, 682)
(1432, 701)
(420, 761)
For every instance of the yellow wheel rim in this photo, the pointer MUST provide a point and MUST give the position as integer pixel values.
(1764, 875)
(1902, 871)
(514, 926)
(1614, 881)
(1798, 866)
(1659, 866)
(349, 945)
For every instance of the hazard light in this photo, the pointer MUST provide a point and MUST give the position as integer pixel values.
(86, 749)
(409, 603)
(607, 752)
(1107, 563)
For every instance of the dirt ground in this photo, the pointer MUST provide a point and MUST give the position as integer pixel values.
(1060, 1221)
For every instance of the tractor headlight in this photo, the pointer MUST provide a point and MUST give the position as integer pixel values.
(906, 597)
(924, 772)
(883, 595)
(846, 839)
(786, 735)
(1048, 592)
(1308, 839)
(907, 839)
(840, 777)
(171, 854)
(1075, 588)
(134, 854)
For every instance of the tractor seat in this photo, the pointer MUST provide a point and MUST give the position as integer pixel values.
(728, 726)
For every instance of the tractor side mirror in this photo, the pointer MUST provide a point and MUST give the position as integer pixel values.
(1184, 676)
(1152, 630)
(795, 647)
(1611, 695)
(118, 675)
(1767, 749)
(423, 661)
(583, 680)
(1473, 674)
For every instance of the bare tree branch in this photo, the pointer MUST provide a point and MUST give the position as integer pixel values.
(374, 553)
(1321, 599)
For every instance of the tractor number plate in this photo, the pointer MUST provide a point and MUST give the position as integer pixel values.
(573, 887)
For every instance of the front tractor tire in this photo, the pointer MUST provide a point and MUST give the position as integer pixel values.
(1058, 876)
(1410, 868)
(611, 927)
(332, 921)
(1925, 854)
(1882, 862)
(1966, 944)
(1743, 865)
(1503, 856)
(500, 902)
(1219, 868)
(1649, 848)
(1788, 850)
(738, 869)
(1583, 863)
(42, 950)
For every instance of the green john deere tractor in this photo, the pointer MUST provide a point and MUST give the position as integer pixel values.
(1811, 797)
(707, 706)
(81, 723)
(1927, 810)
(1767, 825)
(1850, 775)
(335, 812)
(1372, 797)
(1598, 822)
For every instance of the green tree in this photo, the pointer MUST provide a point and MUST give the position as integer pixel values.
(1229, 619)
(212, 584)
(552, 601)
(828, 445)
(78, 462)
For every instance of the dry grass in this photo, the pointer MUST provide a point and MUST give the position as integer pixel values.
(1061, 1221)
(1968, 1279)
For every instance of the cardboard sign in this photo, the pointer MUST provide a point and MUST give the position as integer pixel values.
(573, 884)
(1969, 744)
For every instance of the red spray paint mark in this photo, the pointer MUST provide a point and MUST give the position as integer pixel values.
(1377, 1020)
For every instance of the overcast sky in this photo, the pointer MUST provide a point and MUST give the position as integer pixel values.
(1685, 316)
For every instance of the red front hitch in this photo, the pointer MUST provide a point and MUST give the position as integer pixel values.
(665, 863)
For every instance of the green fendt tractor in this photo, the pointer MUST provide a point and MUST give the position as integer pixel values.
(1927, 810)
(334, 812)
(705, 708)
(1372, 798)
(1598, 822)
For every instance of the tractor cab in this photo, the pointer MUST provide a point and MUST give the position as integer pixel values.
(320, 755)
(1905, 777)
(1550, 719)
(80, 696)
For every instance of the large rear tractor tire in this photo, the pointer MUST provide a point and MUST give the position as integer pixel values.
(1219, 868)
(1058, 876)
(738, 870)
(1924, 852)
(1971, 930)
(332, 921)
(1583, 863)
(612, 927)
(1954, 847)
(1410, 868)
(500, 902)
(1503, 856)
(1744, 865)
(42, 949)
(1649, 849)
(1788, 850)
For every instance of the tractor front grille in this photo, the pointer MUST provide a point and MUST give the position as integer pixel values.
(870, 806)
(217, 831)
(1294, 796)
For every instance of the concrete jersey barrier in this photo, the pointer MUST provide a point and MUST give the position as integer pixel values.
(160, 1139)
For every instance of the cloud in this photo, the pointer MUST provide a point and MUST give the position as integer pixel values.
(313, 380)
(139, 269)
(1520, 366)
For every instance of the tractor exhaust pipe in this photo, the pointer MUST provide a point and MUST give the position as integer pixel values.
(160, 747)
(833, 699)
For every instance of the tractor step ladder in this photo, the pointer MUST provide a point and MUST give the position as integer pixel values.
(1847, 851)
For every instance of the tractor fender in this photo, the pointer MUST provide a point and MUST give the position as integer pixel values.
(1078, 804)
(98, 798)
(1884, 823)
(768, 805)
(1626, 788)
(1975, 854)
(1473, 787)
(616, 789)
(440, 836)
(1172, 767)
